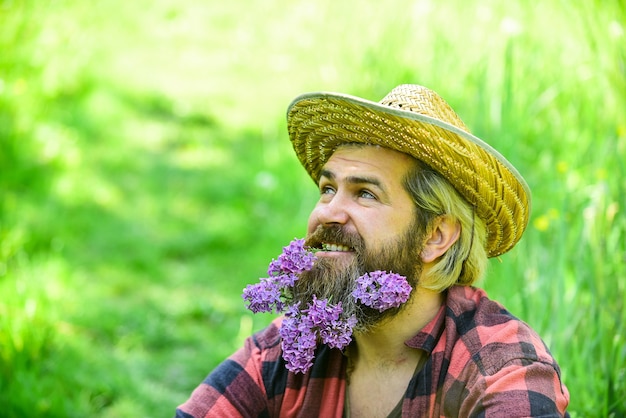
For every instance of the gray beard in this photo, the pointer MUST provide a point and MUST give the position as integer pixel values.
(336, 283)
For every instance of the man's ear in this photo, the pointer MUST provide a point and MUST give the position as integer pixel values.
(445, 231)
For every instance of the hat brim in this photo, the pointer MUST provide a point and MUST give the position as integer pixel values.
(320, 122)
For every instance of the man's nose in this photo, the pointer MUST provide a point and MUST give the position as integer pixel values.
(334, 212)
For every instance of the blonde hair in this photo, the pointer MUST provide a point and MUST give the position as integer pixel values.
(465, 261)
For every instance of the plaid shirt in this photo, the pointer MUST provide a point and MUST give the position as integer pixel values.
(483, 362)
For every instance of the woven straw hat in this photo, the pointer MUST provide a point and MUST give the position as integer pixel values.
(415, 120)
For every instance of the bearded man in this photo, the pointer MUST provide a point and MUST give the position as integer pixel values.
(404, 188)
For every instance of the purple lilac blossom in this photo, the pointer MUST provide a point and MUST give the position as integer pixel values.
(263, 296)
(333, 329)
(294, 259)
(381, 290)
(301, 328)
(338, 333)
(298, 341)
(268, 294)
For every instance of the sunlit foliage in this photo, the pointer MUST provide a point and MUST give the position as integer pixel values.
(146, 176)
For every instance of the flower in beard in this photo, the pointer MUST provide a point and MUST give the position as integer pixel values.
(310, 319)
(264, 296)
(270, 293)
(301, 329)
(298, 341)
(294, 260)
(381, 290)
(334, 330)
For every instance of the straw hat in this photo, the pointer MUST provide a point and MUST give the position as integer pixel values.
(415, 120)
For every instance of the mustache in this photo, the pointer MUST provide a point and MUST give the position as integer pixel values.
(334, 234)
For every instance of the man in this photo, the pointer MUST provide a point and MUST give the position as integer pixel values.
(404, 187)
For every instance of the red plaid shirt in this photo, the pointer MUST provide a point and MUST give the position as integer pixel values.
(483, 362)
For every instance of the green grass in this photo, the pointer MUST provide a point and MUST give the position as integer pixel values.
(146, 177)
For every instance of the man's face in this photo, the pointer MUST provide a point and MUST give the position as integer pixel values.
(364, 221)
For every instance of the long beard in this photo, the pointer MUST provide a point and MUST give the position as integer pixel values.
(335, 280)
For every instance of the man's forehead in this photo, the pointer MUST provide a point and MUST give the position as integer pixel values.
(367, 161)
(374, 152)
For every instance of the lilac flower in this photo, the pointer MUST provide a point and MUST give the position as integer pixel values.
(298, 341)
(338, 333)
(381, 290)
(320, 320)
(321, 312)
(301, 328)
(286, 280)
(333, 329)
(294, 259)
(268, 295)
(263, 296)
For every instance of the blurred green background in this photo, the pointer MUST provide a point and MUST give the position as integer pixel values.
(146, 177)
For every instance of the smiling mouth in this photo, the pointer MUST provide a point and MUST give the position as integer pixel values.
(333, 239)
(336, 248)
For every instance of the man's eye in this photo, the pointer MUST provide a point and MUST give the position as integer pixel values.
(327, 190)
(366, 194)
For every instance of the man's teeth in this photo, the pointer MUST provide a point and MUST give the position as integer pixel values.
(335, 247)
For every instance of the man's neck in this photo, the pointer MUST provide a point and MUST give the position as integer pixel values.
(381, 364)
(385, 343)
